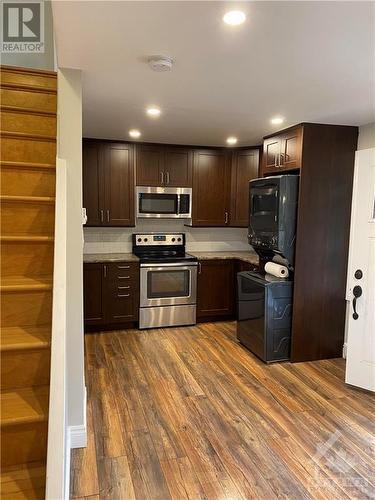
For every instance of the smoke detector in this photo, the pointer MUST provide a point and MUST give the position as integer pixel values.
(160, 63)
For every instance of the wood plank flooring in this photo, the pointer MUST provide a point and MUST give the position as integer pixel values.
(188, 413)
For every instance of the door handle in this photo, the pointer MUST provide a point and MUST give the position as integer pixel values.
(199, 268)
(105, 270)
(162, 177)
(108, 217)
(226, 220)
(101, 216)
(357, 292)
(167, 176)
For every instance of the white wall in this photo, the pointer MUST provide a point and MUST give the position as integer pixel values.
(366, 137)
(106, 240)
(70, 149)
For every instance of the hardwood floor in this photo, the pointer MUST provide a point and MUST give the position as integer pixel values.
(187, 413)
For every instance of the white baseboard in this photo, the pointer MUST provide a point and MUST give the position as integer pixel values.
(344, 350)
(78, 433)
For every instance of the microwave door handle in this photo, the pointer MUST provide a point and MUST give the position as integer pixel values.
(178, 204)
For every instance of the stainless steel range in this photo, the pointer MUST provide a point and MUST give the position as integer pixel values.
(168, 280)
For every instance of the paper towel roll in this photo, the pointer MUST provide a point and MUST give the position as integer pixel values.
(276, 270)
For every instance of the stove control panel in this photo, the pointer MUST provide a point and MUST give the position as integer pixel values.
(170, 239)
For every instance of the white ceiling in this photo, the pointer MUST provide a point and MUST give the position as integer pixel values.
(308, 61)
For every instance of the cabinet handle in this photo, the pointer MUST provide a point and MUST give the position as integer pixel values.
(199, 268)
(123, 267)
(123, 295)
(105, 270)
(167, 175)
(162, 177)
(101, 216)
(123, 287)
(226, 220)
(123, 277)
(108, 217)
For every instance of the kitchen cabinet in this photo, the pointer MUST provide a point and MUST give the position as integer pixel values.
(93, 297)
(282, 151)
(165, 166)
(111, 293)
(215, 289)
(122, 292)
(149, 160)
(177, 167)
(245, 166)
(92, 171)
(211, 188)
(108, 183)
(118, 184)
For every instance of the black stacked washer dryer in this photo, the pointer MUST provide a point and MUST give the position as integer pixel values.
(265, 301)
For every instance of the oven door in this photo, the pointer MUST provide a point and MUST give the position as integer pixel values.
(168, 284)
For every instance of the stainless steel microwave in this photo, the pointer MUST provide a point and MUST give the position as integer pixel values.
(160, 202)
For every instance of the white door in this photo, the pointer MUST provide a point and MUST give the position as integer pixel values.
(360, 292)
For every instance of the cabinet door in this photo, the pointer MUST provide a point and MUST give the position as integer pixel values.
(119, 184)
(215, 293)
(177, 167)
(121, 292)
(245, 166)
(92, 183)
(211, 184)
(291, 152)
(149, 161)
(271, 154)
(93, 308)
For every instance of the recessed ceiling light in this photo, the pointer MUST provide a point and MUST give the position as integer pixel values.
(134, 133)
(234, 17)
(232, 140)
(277, 120)
(153, 111)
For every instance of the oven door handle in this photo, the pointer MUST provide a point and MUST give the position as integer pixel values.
(170, 266)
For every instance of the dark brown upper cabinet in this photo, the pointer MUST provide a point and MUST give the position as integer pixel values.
(93, 195)
(119, 184)
(245, 167)
(149, 159)
(165, 166)
(177, 167)
(282, 151)
(108, 183)
(211, 188)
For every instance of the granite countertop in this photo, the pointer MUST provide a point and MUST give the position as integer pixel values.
(130, 257)
(244, 256)
(109, 257)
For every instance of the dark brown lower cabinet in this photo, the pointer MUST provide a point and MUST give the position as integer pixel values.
(215, 294)
(93, 293)
(111, 293)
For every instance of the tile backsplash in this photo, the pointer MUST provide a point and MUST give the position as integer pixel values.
(106, 239)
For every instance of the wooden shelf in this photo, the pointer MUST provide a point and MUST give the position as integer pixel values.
(27, 165)
(27, 136)
(23, 284)
(22, 406)
(23, 481)
(24, 338)
(27, 239)
(27, 199)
